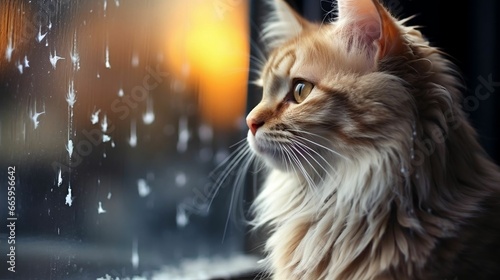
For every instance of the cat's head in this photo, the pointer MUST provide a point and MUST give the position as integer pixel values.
(334, 90)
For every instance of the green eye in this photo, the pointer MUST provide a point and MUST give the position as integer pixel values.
(301, 90)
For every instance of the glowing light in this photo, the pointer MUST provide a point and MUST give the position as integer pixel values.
(214, 46)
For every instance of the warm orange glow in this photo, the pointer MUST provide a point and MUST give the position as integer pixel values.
(14, 29)
(210, 38)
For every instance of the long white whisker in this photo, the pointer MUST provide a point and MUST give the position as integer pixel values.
(303, 145)
(301, 167)
(321, 146)
(240, 175)
(289, 162)
(238, 143)
(230, 158)
(260, 55)
(233, 163)
(305, 158)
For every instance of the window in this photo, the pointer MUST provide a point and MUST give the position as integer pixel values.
(113, 115)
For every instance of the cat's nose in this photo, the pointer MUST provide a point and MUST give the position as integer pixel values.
(254, 124)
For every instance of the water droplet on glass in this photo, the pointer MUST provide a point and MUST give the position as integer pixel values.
(40, 36)
(69, 147)
(34, 115)
(100, 210)
(75, 57)
(143, 188)
(135, 254)
(104, 124)
(183, 137)
(149, 116)
(181, 217)
(94, 118)
(9, 50)
(69, 198)
(108, 65)
(54, 58)
(180, 179)
(106, 138)
(71, 96)
(135, 60)
(19, 67)
(132, 141)
(26, 62)
(59, 178)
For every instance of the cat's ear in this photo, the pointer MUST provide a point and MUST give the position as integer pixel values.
(372, 26)
(282, 24)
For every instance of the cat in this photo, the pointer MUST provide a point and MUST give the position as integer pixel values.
(373, 171)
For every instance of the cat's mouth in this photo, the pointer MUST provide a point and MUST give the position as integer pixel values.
(261, 145)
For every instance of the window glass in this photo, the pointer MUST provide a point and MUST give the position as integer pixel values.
(113, 114)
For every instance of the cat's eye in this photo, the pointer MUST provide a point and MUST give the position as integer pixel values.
(301, 89)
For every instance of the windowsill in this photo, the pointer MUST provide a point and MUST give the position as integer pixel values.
(238, 267)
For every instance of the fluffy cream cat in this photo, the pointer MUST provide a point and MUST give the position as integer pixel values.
(374, 171)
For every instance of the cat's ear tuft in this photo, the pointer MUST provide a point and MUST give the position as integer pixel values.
(372, 27)
(282, 24)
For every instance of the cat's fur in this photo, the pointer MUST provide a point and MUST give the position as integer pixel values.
(377, 174)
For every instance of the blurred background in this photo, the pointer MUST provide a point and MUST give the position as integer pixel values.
(115, 113)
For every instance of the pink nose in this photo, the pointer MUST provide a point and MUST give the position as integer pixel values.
(254, 124)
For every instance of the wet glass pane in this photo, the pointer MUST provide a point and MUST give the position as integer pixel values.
(113, 115)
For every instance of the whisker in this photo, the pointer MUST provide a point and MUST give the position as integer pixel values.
(230, 157)
(310, 133)
(301, 167)
(305, 158)
(289, 162)
(302, 146)
(239, 176)
(233, 163)
(318, 144)
(312, 183)
(258, 61)
(261, 56)
(238, 143)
